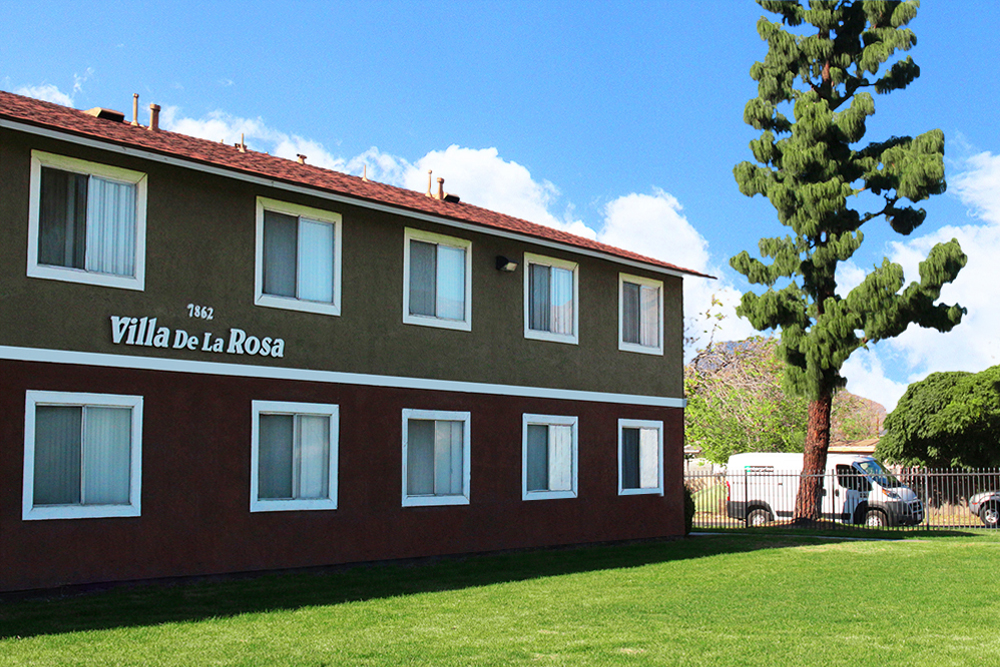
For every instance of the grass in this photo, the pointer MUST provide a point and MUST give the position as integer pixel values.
(709, 600)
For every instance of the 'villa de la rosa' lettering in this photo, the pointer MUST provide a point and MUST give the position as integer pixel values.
(143, 331)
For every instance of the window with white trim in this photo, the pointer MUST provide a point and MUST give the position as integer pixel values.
(298, 257)
(82, 455)
(437, 280)
(86, 222)
(550, 299)
(640, 314)
(436, 458)
(549, 457)
(293, 457)
(640, 456)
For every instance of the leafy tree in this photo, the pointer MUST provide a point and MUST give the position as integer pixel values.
(736, 402)
(946, 420)
(822, 60)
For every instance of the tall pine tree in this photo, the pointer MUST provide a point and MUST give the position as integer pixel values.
(822, 61)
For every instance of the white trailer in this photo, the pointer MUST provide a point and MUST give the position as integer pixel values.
(762, 487)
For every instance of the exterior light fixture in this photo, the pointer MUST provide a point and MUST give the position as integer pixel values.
(504, 264)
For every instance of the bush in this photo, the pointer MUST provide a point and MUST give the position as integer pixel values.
(688, 509)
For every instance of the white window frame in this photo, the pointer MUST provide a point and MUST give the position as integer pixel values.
(35, 398)
(636, 347)
(439, 415)
(291, 408)
(641, 424)
(549, 420)
(41, 159)
(465, 324)
(288, 302)
(573, 338)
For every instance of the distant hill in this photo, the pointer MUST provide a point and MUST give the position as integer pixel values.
(752, 366)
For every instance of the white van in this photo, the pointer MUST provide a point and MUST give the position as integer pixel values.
(856, 489)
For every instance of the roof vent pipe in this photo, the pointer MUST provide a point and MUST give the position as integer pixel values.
(154, 117)
(301, 157)
(430, 180)
(440, 192)
(135, 109)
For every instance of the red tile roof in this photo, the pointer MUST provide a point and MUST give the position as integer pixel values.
(72, 121)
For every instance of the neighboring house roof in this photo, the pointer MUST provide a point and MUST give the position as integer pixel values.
(75, 122)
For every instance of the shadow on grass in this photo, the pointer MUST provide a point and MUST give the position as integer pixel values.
(194, 599)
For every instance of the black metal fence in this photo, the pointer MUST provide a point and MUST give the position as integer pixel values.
(904, 499)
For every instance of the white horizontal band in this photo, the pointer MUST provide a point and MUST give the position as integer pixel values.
(329, 377)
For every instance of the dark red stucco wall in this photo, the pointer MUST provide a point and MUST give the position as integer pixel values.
(196, 482)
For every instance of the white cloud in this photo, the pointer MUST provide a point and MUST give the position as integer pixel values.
(47, 92)
(866, 377)
(221, 126)
(979, 186)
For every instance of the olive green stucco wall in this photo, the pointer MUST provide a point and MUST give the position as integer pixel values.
(200, 240)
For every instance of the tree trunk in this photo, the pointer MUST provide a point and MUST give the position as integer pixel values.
(808, 503)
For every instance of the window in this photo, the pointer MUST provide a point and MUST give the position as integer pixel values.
(293, 456)
(640, 456)
(640, 314)
(437, 284)
(435, 458)
(82, 455)
(298, 257)
(550, 289)
(549, 456)
(86, 222)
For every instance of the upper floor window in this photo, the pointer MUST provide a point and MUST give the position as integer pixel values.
(550, 299)
(82, 455)
(298, 257)
(549, 457)
(86, 222)
(640, 456)
(436, 458)
(437, 284)
(640, 314)
(293, 456)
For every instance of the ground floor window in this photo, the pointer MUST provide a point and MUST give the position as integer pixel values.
(436, 458)
(82, 455)
(640, 456)
(293, 456)
(549, 457)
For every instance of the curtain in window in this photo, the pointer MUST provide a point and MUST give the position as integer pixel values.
(539, 298)
(434, 458)
(280, 248)
(448, 458)
(313, 457)
(560, 457)
(450, 282)
(630, 313)
(62, 219)
(649, 458)
(58, 432)
(293, 457)
(562, 301)
(107, 445)
(111, 222)
(649, 334)
(538, 457)
(423, 278)
(275, 437)
(315, 266)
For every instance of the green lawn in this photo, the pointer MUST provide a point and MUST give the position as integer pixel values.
(707, 600)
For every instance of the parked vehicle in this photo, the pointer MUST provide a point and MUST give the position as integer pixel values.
(762, 487)
(986, 506)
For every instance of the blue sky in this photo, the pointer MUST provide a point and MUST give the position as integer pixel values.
(620, 121)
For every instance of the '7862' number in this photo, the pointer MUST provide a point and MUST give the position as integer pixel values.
(201, 312)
